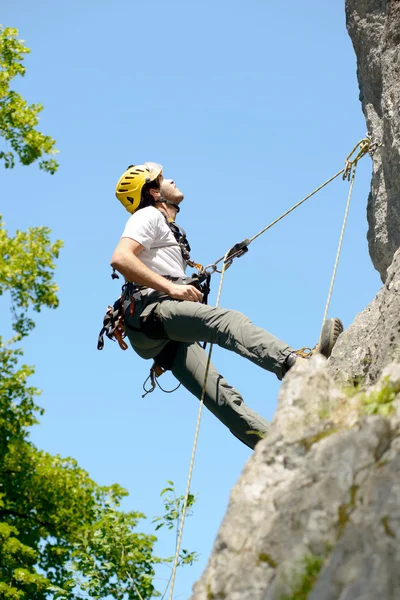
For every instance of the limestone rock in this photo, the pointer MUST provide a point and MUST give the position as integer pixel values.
(374, 27)
(306, 398)
(324, 496)
(373, 340)
(318, 504)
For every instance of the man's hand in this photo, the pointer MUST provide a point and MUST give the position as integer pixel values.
(184, 292)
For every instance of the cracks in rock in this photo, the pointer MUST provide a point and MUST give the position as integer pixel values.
(386, 527)
(345, 510)
(309, 441)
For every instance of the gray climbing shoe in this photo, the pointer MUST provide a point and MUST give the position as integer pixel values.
(331, 330)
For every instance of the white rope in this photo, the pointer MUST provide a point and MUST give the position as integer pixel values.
(351, 166)
(196, 437)
(346, 214)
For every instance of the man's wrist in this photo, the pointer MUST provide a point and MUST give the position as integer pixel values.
(164, 285)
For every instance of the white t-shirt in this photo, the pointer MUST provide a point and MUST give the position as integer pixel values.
(161, 253)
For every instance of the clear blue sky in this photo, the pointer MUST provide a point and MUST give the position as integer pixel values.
(249, 106)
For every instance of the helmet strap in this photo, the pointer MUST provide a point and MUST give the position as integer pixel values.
(168, 202)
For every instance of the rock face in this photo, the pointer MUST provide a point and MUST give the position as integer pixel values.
(317, 508)
(374, 27)
(316, 511)
(373, 340)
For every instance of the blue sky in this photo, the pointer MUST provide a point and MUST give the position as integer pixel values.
(249, 106)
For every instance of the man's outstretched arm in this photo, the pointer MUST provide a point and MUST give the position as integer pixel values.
(125, 260)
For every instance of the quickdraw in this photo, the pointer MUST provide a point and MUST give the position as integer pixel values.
(113, 326)
(114, 319)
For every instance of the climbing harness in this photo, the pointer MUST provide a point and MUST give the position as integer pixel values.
(114, 320)
(365, 146)
(180, 236)
(155, 372)
(113, 326)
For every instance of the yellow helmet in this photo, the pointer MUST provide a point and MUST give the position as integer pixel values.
(129, 187)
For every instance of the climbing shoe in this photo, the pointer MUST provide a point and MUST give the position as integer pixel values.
(331, 330)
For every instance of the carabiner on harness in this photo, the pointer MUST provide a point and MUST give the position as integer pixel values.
(155, 372)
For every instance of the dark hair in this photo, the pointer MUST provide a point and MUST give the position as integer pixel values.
(147, 198)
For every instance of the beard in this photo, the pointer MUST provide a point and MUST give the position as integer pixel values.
(172, 195)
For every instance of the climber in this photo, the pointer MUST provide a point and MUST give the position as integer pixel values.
(163, 311)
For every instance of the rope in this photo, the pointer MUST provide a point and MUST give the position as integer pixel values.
(346, 214)
(364, 146)
(342, 171)
(296, 205)
(196, 437)
(349, 172)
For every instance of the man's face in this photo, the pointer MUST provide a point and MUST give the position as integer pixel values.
(170, 192)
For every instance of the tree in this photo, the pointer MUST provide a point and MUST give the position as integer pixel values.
(61, 534)
(18, 119)
(51, 512)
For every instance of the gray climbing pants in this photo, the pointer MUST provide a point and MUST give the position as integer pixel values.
(190, 323)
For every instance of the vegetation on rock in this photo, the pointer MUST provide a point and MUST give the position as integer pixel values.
(306, 577)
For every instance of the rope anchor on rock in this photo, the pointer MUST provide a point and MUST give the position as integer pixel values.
(364, 146)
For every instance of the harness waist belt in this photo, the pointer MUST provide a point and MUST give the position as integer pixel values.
(131, 287)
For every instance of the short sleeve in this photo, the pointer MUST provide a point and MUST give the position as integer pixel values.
(143, 227)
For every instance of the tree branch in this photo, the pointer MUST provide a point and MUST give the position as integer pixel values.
(14, 513)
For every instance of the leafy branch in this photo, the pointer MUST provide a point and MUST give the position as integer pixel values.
(171, 519)
(18, 119)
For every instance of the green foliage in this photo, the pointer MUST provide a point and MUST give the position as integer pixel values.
(172, 518)
(17, 566)
(354, 385)
(307, 443)
(61, 534)
(306, 577)
(388, 531)
(380, 402)
(345, 510)
(50, 509)
(26, 272)
(68, 527)
(18, 119)
(264, 557)
(173, 506)
(112, 559)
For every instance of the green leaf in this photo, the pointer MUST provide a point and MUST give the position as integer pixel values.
(18, 120)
